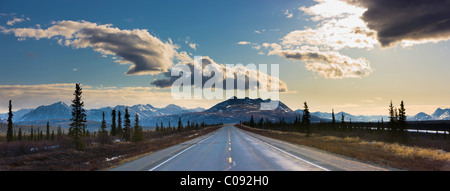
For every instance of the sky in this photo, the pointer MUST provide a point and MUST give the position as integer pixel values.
(350, 55)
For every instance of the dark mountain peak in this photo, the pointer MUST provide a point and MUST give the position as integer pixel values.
(58, 110)
(246, 104)
(173, 106)
(439, 112)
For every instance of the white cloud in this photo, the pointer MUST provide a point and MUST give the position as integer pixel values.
(243, 42)
(16, 20)
(329, 64)
(146, 54)
(193, 46)
(288, 15)
(339, 26)
(249, 74)
(327, 9)
(333, 34)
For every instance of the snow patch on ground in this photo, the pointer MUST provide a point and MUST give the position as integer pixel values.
(112, 158)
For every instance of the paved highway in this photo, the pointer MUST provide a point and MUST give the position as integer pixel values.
(233, 149)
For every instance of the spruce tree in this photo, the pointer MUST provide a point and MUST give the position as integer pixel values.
(402, 117)
(343, 126)
(306, 119)
(19, 136)
(391, 113)
(41, 136)
(252, 121)
(392, 117)
(32, 134)
(103, 125)
(138, 135)
(103, 132)
(113, 122)
(127, 126)
(59, 133)
(119, 124)
(9, 133)
(48, 131)
(180, 125)
(333, 119)
(78, 126)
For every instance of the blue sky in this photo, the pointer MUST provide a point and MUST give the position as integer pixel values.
(215, 25)
(228, 32)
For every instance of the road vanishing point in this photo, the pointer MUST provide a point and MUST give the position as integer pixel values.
(232, 149)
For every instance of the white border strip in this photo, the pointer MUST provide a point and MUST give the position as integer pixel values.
(179, 153)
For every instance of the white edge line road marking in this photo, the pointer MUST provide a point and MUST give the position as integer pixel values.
(179, 153)
(325, 169)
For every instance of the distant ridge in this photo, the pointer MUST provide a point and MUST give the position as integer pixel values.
(232, 110)
(61, 111)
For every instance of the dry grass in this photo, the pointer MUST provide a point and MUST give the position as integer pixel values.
(94, 157)
(392, 155)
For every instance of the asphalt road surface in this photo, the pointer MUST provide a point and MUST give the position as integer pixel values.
(233, 149)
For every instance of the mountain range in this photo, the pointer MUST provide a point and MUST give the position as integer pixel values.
(61, 111)
(232, 110)
(439, 114)
(347, 116)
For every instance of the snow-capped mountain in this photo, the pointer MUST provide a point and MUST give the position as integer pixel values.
(347, 116)
(58, 110)
(232, 110)
(439, 114)
(61, 111)
(16, 114)
(420, 117)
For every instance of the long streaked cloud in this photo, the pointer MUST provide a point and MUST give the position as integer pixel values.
(329, 64)
(407, 22)
(249, 74)
(16, 20)
(146, 53)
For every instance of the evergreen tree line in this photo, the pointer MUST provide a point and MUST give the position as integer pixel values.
(120, 127)
(180, 127)
(396, 126)
(38, 135)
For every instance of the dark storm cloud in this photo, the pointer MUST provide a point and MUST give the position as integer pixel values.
(416, 20)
